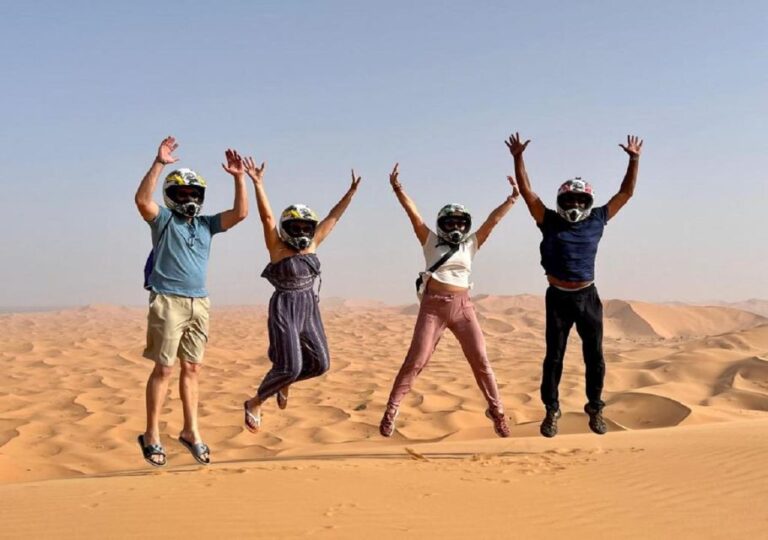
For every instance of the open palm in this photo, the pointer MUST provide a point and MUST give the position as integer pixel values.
(234, 165)
(634, 145)
(165, 151)
(256, 173)
(515, 145)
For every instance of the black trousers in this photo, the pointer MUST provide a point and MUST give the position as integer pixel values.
(583, 308)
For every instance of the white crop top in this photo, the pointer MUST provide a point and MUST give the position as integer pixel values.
(456, 270)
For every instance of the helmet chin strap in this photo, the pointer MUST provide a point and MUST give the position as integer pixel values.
(574, 215)
(189, 209)
(455, 236)
(299, 242)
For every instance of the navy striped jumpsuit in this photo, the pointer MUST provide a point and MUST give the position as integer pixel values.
(298, 348)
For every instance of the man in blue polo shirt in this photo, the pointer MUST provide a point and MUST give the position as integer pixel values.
(568, 248)
(178, 300)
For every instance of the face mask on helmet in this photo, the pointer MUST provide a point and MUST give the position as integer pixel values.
(453, 223)
(184, 192)
(297, 226)
(574, 200)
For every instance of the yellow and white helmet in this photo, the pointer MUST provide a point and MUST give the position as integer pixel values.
(297, 226)
(184, 192)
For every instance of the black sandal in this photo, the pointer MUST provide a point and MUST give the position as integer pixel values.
(282, 398)
(150, 450)
(197, 450)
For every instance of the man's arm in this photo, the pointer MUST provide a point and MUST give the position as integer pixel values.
(421, 230)
(532, 201)
(239, 211)
(271, 238)
(146, 205)
(495, 217)
(633, 148)
(324, 227)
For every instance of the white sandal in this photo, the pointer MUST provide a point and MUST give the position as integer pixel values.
(252, 421)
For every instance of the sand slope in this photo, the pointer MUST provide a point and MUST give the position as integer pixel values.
(71, 405)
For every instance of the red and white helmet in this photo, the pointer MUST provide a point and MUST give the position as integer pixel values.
(581, 189)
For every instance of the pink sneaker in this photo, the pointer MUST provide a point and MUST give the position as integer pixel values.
(499, 423)
(387, 425)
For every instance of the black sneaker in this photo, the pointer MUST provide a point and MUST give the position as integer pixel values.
(596, 422)
(548, 426)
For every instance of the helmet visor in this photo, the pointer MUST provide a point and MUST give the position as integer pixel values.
(454, 223)
(186, 194)
(299, 227)
(575, 200)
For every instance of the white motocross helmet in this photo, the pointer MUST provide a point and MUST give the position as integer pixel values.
(185, 205)
(447, 218)
(297, 226)
(575, 187)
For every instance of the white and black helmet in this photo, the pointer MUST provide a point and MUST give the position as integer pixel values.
(186, 205)
(453, 223)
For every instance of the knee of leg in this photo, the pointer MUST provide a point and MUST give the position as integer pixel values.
(188, 368)
(162, 371)
(554, 357)
(292, 373)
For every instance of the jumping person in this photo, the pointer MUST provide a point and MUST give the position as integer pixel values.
(568, 249)
(446, 302)
(178, 300)
(298, 347)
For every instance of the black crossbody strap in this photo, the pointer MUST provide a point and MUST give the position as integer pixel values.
(441, 261)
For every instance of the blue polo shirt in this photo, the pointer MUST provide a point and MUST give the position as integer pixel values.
(568, 250)
(181, 258)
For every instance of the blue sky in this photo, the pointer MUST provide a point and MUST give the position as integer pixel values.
(314, 88)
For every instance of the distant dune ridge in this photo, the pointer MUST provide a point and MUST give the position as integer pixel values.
(72, 402)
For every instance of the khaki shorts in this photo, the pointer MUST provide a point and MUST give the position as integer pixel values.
(176, 326)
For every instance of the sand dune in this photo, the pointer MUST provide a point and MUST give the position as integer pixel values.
(71, 405)
(753, 305)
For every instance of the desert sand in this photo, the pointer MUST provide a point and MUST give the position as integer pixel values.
(686, 455)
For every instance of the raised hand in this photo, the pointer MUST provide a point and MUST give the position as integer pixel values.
(634, 146)
(256, 173)
(516, 147)
(515, 191)
(234, 164)
(355, 181)
(165, 151)
(393, 178)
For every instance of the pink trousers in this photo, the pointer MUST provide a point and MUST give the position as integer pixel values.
(455, 312)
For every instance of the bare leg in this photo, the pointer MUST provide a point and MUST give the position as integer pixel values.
(188, 390)
(157, 389)
(253, 414)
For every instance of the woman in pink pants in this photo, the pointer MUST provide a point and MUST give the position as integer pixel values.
(445, 302)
